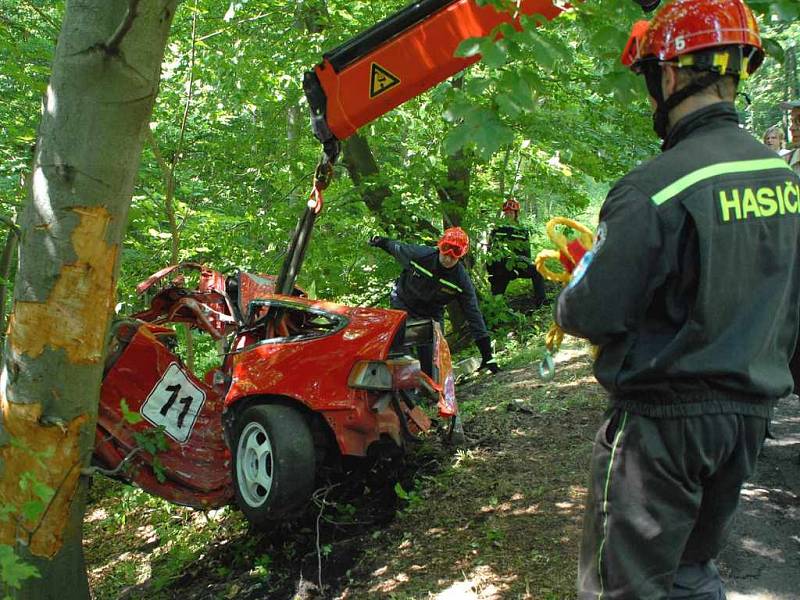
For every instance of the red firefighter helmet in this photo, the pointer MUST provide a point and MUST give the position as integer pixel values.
(454, 242)
(684, 28)
(511, 206)
(632, 52)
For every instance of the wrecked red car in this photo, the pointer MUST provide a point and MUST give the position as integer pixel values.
(299, 383)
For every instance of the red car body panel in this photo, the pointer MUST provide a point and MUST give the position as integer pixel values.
(196, 460)
(315, 372)
(306, 357)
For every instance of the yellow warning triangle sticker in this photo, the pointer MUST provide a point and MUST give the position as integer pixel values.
(381, 81)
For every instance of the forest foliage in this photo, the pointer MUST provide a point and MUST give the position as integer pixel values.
(549, 116)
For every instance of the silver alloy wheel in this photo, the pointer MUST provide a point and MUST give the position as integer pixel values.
(254, 468)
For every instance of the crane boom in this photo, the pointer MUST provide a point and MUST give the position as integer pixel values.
(397, 59)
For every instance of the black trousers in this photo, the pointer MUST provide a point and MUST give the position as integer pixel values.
(500, 276)
(794, 367)
(661, 498)
(424, 351)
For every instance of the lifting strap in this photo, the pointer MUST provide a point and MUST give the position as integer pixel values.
(568, 255)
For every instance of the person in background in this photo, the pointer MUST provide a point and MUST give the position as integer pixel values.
(431, 279)
(793, 154)
(691, 294)
(774, 139)
(510, 255)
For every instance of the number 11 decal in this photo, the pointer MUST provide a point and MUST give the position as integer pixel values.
(174, 404)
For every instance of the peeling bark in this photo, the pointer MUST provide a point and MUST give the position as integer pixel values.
(60, 472)
(87, 155)
(72, 317)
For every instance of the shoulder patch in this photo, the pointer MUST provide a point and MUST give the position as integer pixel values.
(600, 237)
(581, 269)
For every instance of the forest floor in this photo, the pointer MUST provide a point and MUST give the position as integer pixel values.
(498, 518)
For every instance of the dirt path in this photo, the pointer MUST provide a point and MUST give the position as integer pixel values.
(497, 519)
(501, 520)
(762, 558)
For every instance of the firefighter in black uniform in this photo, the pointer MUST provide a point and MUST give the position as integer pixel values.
(510, 251)
(431, 279)
(691, 293)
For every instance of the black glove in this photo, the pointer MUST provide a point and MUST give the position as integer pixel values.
(378, 241)
(485, 346)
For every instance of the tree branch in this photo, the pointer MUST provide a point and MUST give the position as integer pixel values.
(112, 45)
(89, 471)
(235, 24)
(11, 224)
(44, 16)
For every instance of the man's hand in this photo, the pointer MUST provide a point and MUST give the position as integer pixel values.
(485, 346)
(378, 241)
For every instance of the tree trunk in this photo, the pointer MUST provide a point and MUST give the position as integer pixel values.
(102, 89)
(364, 171)
(454, 198)
(454, 192)
(7, 257)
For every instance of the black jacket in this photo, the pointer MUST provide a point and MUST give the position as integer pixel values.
(425, 287)
(692, 289)
(509, 249)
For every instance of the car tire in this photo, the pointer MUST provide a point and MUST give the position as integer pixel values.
(274, 463)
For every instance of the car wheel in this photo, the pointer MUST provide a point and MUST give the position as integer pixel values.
(273, 462)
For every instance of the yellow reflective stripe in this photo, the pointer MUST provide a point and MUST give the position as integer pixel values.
(452, 285)
(739, 166)
(617, 438)
(419, 267)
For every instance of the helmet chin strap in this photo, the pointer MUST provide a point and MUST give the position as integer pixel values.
(652, 75)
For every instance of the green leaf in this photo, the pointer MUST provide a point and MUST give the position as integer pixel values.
(773, 49)
(477, 85)
(6, 511)
(130, 417)
(456, 139)
(311, 291)
(490, 136)
(787, 10)
(44, 492)
(13, 571)
(469, 47)
(521, 92)
(460, 108)
(494, 54)
(544, 53)
(32, 509)
(401, 493)
(508, 105)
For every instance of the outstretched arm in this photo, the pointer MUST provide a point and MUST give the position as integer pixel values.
(468, 300)
(404, 253)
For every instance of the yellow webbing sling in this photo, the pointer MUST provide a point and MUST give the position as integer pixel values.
(585, 237)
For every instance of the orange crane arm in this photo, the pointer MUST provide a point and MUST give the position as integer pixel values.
(396, 60)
